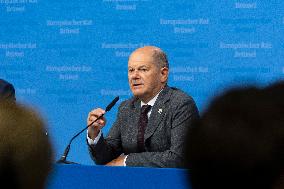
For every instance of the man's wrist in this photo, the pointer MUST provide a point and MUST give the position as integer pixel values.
(93, 132)
(95, 140)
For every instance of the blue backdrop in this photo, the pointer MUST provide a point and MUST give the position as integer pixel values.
(68, 57)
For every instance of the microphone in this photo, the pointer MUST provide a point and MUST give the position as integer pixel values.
(66, 151)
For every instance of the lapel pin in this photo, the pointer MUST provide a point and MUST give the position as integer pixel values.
(160, 111)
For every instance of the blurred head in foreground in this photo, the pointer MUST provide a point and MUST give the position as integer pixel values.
(7, 91)
(239, 141)
(25, 150)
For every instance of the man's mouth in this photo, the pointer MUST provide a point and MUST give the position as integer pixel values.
(136, 84)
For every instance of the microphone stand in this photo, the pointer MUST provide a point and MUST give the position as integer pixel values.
(66, 151)
(63, 160)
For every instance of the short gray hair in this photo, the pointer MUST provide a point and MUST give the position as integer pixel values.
(160, 58)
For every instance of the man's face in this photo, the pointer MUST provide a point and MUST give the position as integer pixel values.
(145, 78)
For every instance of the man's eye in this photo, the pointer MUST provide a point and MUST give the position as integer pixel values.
(130, 70)
(143, 69)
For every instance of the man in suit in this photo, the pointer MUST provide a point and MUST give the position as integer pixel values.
(150, 128)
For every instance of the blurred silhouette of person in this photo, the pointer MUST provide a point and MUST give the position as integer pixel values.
(238, 142)
(25, 150)
(7, 91)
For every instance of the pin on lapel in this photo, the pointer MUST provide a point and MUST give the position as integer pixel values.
(160, 111)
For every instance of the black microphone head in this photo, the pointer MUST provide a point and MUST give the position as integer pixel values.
(109, 107)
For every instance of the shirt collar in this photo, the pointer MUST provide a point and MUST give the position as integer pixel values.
(152, 101)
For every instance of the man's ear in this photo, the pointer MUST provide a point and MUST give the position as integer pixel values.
(164, 74)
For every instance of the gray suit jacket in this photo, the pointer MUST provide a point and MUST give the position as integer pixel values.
(165, 135)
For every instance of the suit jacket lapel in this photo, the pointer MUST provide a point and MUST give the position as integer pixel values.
(135, 118)
(158, 112)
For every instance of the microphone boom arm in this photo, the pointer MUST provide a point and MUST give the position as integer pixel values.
(66, 151)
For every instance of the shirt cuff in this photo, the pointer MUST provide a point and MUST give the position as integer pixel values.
(124, 162)
(95, 141)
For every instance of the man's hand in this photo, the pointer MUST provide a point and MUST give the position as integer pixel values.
(94, 130)
(117, 162)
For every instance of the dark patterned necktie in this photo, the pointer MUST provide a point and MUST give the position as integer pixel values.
(143, 120)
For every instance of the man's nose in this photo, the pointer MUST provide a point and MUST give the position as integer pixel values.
(135, 74)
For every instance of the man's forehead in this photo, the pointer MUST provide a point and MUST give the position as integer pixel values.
(141, 58)
(140, 63)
